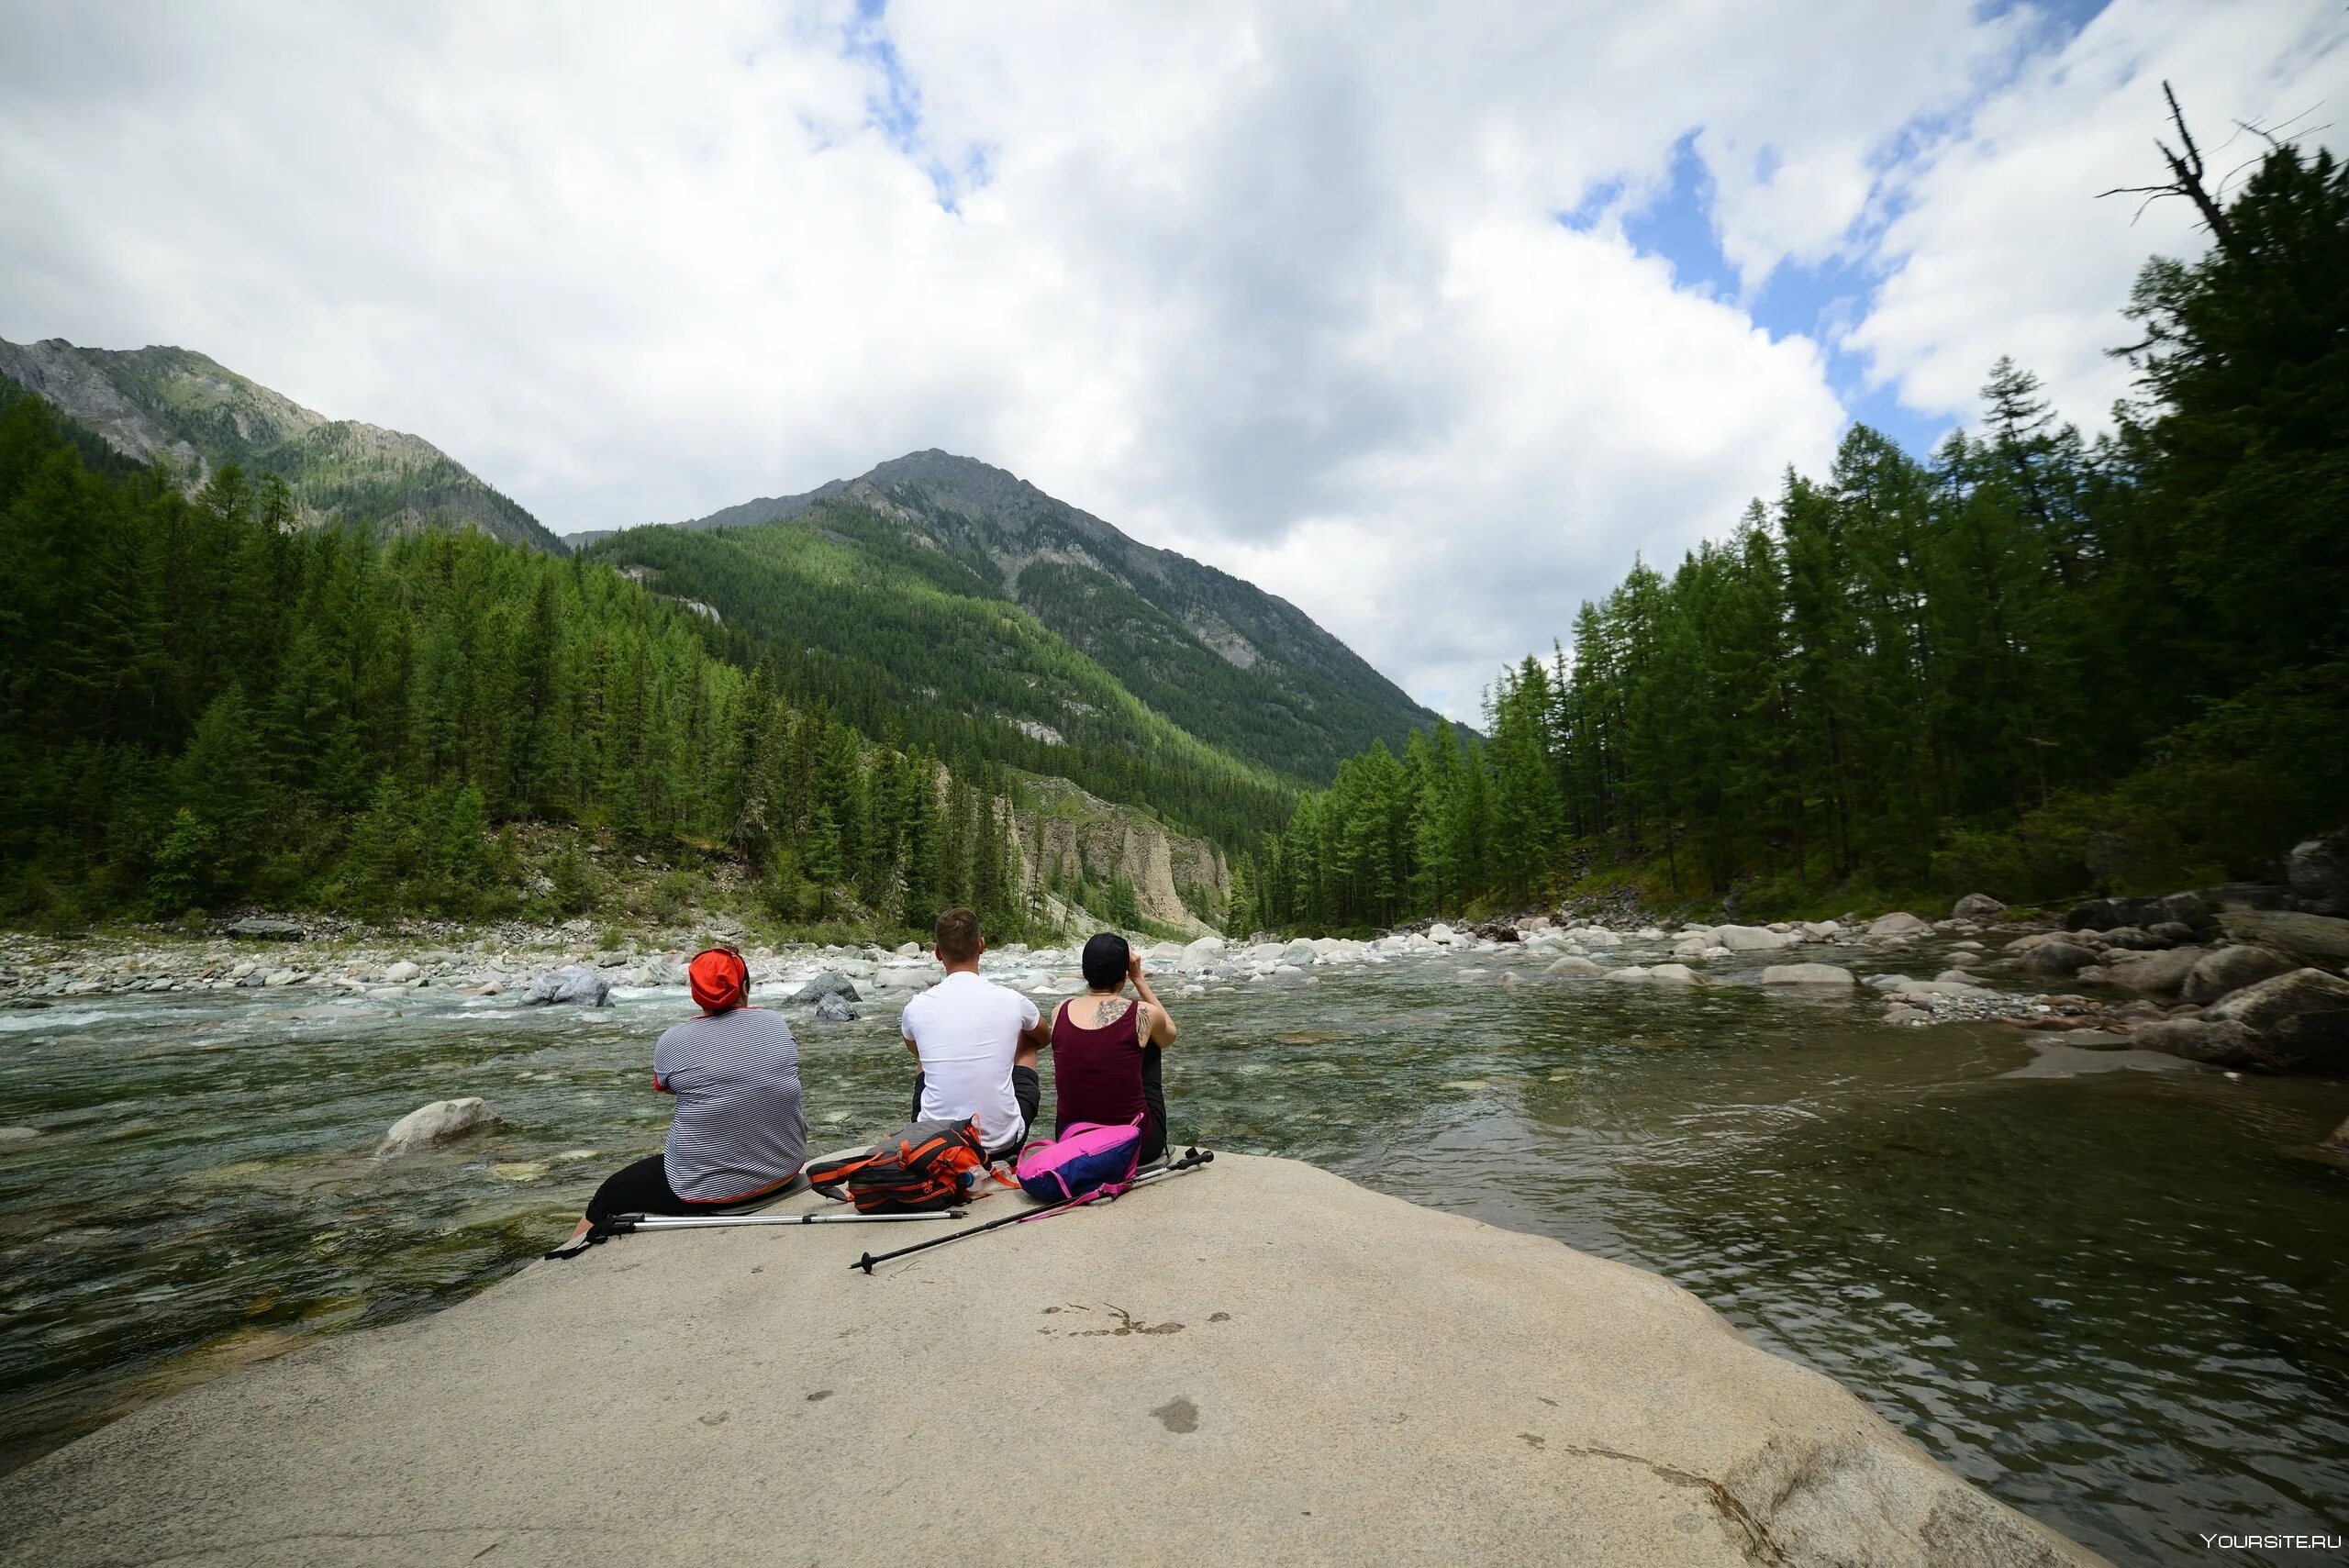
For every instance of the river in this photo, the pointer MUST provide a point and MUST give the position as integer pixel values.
(2118, 1299)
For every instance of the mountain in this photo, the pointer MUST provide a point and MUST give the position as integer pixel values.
(1241, 669)
(192, 415)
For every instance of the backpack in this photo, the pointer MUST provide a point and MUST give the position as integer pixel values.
(920, 1168)
(1090, 1161)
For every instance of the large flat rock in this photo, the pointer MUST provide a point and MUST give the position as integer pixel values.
(1256, 1362)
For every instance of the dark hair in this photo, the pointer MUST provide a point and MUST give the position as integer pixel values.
(958, 936)
(1105, 961)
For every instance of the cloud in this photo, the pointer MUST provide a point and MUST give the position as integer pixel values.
(2004, 247)
(1280, 286)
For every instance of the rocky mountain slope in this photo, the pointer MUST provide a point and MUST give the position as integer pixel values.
(1235, 666)
(193, 416)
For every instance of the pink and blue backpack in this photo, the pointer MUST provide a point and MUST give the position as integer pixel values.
(1090, 1161)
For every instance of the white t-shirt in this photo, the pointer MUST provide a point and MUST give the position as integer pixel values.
(965, 1030)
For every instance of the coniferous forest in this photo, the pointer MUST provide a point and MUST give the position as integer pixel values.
(2032, 665)
(202, 707)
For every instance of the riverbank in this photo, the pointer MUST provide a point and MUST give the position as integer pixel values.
(1256, 1362)
(2225, 979)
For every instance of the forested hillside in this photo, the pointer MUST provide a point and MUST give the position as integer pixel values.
(908, 642)
(1245, 672)
(2030, 666)
(201, 706)
(193, 416)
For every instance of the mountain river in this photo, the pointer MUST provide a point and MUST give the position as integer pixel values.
(2113, 1291)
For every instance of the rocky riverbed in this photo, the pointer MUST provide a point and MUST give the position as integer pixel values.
(2225, 979)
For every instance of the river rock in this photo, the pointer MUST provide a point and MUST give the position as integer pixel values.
(832, 1007)
(2219, 1043)
(1603, 1416)
(905, 977)
(1300, 952)
(436, 1123)
(1807, 974)
(908, 949)
(1598, 937)
(258, 929)
(2314, 937)
(2230, 969)
(1629, 971)
(400, 972)
(2338, 1139)
(1440, 932)
(2301, 1018)
(18, 1134)
(2055, 958)
(1497, 932)
(1902, 1013)
(1202, 954)
(2317, 871)
(1977, 906)
(1899, 923)
(2138, 940)
(830, 983)
(574, 984)
(2152, 974)
(1574, 963)
(1676, 974)
(1752, 938)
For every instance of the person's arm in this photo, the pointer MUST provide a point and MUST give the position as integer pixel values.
(1162, 1029)
(1035, 1036)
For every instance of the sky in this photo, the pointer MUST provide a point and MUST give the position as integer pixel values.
(1431, 319)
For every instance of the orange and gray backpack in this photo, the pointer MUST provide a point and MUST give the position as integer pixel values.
(920, 1168)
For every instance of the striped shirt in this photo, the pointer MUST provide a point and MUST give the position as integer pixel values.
(739, 1127)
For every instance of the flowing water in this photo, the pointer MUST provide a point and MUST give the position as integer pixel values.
(2118, 1299)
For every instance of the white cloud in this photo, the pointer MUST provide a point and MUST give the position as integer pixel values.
(2005, 249)
(1277, 286)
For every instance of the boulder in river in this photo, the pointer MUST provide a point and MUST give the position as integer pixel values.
(2055, 958)
(2230, 969)
(1202, 954)
(400, 972)
(2314, 936)
(832, 1007)
(1977, 906)
(831, 983)
(575, 984)
(1808, 974)
(260, 930)
(2317, 869)
(1753, 939)
(2218, 1043)
(1598, 937)
(2151, 973)
(437, 1123)
(1497, 931)
(18, 1134)
(1440, 932)
(1249, 1363)
(1676, 974)
(1575, 964)
(1899, 923)
(2301, 1018)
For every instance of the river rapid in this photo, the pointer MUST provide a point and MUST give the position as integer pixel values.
(2111, 1289)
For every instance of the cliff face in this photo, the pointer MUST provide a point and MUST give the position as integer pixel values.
(1080, 849)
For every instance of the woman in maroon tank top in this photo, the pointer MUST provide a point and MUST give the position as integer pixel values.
(1105, 1048)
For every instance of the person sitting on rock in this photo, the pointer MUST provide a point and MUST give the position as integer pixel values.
(739, 1134)
(976, 1042)
(1104, 1047)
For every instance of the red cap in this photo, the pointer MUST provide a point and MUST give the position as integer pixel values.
(719, 979)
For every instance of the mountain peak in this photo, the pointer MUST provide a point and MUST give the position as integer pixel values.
(192, 415)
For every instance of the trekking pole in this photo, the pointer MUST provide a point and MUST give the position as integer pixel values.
(629, 1224)
(1192, 1158)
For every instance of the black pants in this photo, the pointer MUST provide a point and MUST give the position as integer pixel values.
(643, 1188)
(1153, 1100)
(1026, 1088)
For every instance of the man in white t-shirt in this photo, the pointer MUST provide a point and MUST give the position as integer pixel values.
(976, 1042)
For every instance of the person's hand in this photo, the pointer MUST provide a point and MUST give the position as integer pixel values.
(1134, 967)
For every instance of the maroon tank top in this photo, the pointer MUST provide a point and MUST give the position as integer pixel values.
(1097, 1073)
